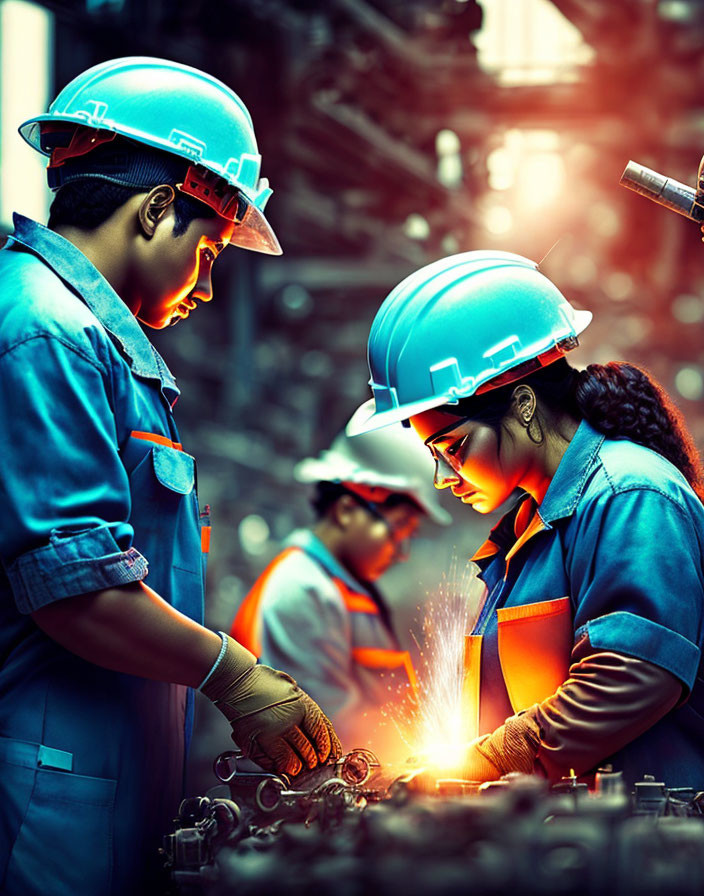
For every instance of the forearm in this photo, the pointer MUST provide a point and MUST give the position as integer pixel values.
(132, 630)
(608, 700)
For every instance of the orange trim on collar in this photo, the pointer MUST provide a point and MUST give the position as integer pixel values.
(536, 525)
(523, 516)
(488, 549)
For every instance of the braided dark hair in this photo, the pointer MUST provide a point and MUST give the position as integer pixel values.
(621, 399)
(618, 399)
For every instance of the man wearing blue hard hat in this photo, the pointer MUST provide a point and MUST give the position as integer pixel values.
(156, 170)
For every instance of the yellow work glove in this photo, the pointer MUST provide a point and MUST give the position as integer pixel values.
(511, 748)
(274, 722)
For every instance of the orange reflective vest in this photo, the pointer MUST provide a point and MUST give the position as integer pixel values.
(370, 650)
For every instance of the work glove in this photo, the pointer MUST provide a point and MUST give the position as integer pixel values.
(511, 748)
(274, 722)
(608, 700)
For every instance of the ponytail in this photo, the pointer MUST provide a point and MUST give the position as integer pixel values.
(617, 399)
(621, 400)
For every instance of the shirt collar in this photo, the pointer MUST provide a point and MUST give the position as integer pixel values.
(310, 543)
(560, 501)
(81, 275)
(570, 479)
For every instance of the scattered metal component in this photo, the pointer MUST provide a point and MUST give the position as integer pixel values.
(356, 828)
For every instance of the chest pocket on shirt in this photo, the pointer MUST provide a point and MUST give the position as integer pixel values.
(535, 642)
(165, 514)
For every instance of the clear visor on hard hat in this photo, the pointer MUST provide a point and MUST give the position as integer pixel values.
(252, 230)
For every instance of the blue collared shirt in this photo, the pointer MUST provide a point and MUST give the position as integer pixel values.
(96, 492)
(623, 536)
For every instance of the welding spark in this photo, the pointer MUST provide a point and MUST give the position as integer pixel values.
(440, 720)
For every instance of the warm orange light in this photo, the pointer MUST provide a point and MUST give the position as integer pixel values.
(442, 718)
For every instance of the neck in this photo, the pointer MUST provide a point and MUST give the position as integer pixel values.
(329, 535)
(548, 456)
(109, 247)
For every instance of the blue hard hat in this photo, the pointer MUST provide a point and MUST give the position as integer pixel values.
(463, 324)
(174, 108)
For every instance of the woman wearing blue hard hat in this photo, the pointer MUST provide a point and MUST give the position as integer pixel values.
(588, 646)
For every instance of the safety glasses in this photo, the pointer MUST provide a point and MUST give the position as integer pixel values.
(452, 449)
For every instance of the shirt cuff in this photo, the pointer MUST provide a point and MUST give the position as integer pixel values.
(73, 564)
(217, 661)
(646, 640)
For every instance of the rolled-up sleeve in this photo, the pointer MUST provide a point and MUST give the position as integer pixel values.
(637, 579)
(64, 526)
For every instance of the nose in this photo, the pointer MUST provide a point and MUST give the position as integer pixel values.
(203, 290)
(445, 476)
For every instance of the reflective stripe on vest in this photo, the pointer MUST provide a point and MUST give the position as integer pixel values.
(375, 657)
(381, 658)
(247, 624)
(246, 627)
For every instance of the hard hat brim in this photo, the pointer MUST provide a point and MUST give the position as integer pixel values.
(317, 469)
(366, 418)
(255, 233)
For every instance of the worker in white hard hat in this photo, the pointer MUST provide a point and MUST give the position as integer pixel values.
(315, 610)
(102, 541)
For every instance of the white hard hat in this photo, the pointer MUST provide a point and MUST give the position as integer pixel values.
(392, 458)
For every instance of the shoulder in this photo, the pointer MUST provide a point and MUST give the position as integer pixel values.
(299, 578)
(35, 303)
(630, 474)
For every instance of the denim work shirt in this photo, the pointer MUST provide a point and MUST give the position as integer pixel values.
(96, 493)
(621, 534)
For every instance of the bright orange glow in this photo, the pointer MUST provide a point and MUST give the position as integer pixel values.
(438, 724)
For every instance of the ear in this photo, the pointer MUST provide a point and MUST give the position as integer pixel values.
(153, 208)
(343, 510)
(524, 404)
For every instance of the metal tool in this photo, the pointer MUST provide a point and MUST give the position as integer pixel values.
(676, 196)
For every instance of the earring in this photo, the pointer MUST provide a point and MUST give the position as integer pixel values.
(535, 434)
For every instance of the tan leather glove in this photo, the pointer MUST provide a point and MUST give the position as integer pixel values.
(274, 722)
(511, 748)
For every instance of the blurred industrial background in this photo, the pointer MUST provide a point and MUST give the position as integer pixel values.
(394, 132)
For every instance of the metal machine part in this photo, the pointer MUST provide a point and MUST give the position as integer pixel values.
(676, 196)
(431, 836)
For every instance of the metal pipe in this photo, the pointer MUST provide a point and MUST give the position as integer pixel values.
(665, 191)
